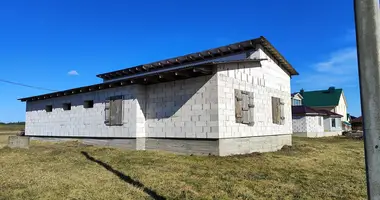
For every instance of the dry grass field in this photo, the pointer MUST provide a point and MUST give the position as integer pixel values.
(327, 168)
(10, 129)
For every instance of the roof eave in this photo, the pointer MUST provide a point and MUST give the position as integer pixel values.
(173, 74)
(280, 58)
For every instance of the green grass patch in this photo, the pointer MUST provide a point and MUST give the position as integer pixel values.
(327, 168)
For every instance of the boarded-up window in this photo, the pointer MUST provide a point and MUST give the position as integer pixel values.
(113, 111)
(278, 115)
(244, 107)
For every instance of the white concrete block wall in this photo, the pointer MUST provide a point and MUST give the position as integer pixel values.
(265, 81)
(299, 124)
(328, 124)
(87, 122)
(312, 124)
(308, 125)
(201, 107)
(183, 109)
(342, 108)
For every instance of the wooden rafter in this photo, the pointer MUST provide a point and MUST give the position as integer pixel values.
(202, 70)
(200, 55)
(181, 74)
(220, 51)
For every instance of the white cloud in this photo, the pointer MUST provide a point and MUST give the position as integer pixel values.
(73, 73)
(339, 69)
(339, 62)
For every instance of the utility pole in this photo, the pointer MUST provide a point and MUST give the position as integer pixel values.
(368, 47)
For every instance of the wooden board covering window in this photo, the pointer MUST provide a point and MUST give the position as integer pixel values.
(107, 113)
(278, 116)
(244, 107)
(114, 111)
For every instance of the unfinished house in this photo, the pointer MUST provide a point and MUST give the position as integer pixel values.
(309, 122)
(228, 100)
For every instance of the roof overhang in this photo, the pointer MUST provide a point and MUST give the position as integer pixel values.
(309, 114)
(210, 54)
(169, 74)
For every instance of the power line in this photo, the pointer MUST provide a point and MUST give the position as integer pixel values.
(25, 85)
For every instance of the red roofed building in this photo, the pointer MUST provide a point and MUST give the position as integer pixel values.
(357, 123)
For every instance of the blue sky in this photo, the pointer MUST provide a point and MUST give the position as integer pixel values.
(42, 41)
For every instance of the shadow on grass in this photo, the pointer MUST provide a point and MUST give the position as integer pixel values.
(125, 178)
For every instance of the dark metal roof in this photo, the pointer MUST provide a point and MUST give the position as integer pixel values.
(322, 98)
(329, 113)
(307, 111)
(210, 54)
(169, 74)
(357, 120)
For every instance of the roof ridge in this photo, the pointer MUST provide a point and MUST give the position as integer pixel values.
(322, 90)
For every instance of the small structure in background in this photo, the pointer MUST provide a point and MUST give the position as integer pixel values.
(309, 122)
(357, 123)
(15, 141)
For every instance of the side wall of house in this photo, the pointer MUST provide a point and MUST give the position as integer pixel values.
(328, 125)
(87, 122)
(265, 80)
(315, 124)
(183, 108)
(342, 108)
(308, 126)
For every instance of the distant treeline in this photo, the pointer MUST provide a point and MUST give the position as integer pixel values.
(12, 123)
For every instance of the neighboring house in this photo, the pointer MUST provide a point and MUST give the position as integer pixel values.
(357, 123)
(308, 122)
(228, 100)
(296, 99)
(331, 99)
(332, 123)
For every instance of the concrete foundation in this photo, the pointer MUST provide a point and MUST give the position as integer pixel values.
(318, 134)
(232, 146)
(218, 147)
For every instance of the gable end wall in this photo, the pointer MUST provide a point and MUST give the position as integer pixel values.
(265, 81)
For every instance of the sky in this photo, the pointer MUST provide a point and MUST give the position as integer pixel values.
(59, 45)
